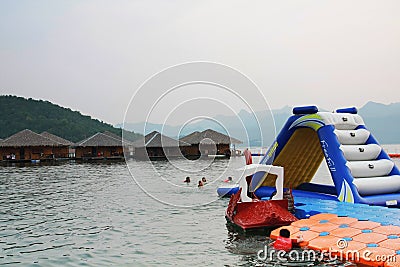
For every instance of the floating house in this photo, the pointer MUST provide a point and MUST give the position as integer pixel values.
(100, 146)
(27, 145)
(127, 145)
(156, 146)
(208, 143)
(69, 151)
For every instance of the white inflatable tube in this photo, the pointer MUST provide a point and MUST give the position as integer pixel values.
(361, 152)
(342, 121)
(370, 168)
(378, 185)
(352, 137)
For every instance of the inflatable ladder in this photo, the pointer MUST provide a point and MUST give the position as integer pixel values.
(361, 170)
(371, 168)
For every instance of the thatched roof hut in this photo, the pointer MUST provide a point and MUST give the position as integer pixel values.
(208, 142)
(100, 139)
(156, 146)
(156, 139)
(57, 138)
(27, 138)
(28, 145)
(100, 145)
(205, 136)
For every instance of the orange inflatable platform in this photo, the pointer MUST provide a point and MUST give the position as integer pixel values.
(366, 243)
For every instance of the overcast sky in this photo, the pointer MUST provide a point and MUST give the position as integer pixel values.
(92, 56)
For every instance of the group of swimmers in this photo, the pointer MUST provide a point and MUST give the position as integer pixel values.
(202, 182)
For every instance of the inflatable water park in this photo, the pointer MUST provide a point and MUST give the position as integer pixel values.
(361, 204)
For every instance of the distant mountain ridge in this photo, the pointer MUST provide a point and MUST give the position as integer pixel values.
(382, 120)
(18, 113)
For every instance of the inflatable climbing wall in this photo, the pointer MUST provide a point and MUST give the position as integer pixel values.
(361, 170)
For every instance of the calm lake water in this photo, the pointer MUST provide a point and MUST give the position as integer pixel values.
(118, 214)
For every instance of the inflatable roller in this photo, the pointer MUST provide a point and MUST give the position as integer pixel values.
(352, 137)
(378, 185)
(361, 152)
(370, 168)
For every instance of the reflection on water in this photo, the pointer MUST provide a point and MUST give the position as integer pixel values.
(94, 214)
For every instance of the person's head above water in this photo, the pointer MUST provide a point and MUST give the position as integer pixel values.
(228, 180)
(187, 179)
(284, 233)
(203, 179)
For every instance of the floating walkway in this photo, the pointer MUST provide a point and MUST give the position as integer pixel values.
(307, 207)
(368, 235)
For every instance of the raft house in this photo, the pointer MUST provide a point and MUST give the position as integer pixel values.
(27, 145)
(209, 143)
(100, 146)
(156, 146)
(63, 141)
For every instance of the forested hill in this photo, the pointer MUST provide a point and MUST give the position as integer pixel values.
(18, 113)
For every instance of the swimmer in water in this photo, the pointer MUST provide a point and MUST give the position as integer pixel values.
(229, 180)
(187, 180)
(200, 184)
(284, 242)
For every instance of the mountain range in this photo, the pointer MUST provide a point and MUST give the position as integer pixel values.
(258, 129)
(261, 127)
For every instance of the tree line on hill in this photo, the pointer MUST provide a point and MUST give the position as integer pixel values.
(18, 113)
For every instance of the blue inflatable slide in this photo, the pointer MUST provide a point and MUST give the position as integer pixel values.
(361, 170)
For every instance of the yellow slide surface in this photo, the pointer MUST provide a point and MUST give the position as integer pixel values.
(301, 157)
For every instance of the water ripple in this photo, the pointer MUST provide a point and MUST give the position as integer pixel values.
(74, 214)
